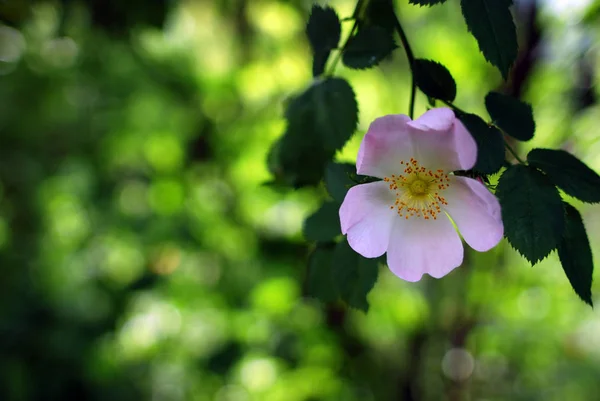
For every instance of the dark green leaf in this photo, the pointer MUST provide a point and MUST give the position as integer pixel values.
(324, 224)
(490, 144)
(491, 23)
(567, 172)
(512, 115)
(576, 255)
(319, 280)
(339, 178)
(434, 80)
(426, 2)
(354, 275)
(320, 121)
(532, 212)
(380, 13)
(323, 30)
(368, 47)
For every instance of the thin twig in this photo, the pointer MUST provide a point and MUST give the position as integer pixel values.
(411, 62)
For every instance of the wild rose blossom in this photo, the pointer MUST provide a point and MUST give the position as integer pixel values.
(408, 213)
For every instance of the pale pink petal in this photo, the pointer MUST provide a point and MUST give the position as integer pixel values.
(440, 119)
(449, 148)
(370, 236)
(363, 200)
(385, 144)
(419, 246)
(476, 212)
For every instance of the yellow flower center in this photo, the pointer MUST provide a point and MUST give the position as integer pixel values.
(418, 191)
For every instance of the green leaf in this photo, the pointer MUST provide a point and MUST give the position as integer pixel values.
(320, 121)
(354, 275)
(323, 30)
(324, 224)
(532, 212)
(434, 80)
(567, 172)
(491, 23)
(576, 255)
(426, 2)
(339, 177)
(490, 144)
(368, 47)
(379, 13)
(319, 280)
(512, 115)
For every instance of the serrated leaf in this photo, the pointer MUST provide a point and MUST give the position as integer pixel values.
(490, 144)
(319, 279)
(379, 13)
(567, 172)
(324, 224)
(323, 30)
(532, 212)
(353, 275)
(576, 255)
(426, 2)
(339, 177)
(370, 45)
(320, 121)
(434, 80)
(512, 115)
(491, 23)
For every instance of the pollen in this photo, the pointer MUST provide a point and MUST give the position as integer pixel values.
(419, 191)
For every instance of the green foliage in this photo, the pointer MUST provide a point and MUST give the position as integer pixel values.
(324, 224)
(490, 144)
(532, 212)
(567, 172)
(576, 256)
(434, 80)
(380, 13)
(323, 30)
(512, 115)
(354, 275)
(320, 121)
(319, 279)
(426, 2)
(491, 23)
(339, 177)
(370, 45)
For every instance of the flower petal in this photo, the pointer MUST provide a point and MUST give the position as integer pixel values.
(440, 119)
(371, 236)
(476, 212)
(444, 144)
(362, 200)
(386, 142)
(420, 246)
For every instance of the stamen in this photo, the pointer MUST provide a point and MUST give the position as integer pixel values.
(418, 190)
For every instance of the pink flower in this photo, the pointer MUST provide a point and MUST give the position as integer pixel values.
(408, 214)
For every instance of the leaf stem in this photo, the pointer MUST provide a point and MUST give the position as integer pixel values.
(411, 61)
(512, 151)
(356, 15)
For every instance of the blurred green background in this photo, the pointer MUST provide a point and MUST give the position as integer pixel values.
(143, 258)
